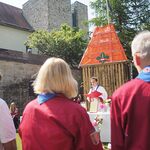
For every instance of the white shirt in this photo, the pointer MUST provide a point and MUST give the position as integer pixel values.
(7, 128)
(100, 89)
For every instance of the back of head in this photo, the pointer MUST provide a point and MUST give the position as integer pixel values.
(94, 78)
(55, 77)
(141, 45)
(12, 107)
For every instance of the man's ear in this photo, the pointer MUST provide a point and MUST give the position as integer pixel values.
(137, 59)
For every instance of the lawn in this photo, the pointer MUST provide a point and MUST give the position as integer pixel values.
(19, 147)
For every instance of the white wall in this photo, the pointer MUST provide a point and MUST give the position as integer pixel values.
(13, 39)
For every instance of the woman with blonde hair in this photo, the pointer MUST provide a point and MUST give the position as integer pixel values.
(15, 114)
(53, 120)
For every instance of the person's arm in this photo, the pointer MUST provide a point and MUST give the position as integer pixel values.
(7, 129)
(10, 145)
(86, 137)
(88, 98)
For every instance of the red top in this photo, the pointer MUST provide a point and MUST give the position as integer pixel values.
(57, 124)
(130, 120)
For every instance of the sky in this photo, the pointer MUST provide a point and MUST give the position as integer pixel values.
(19, 3)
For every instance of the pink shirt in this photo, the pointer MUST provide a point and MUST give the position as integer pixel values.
(7, 129)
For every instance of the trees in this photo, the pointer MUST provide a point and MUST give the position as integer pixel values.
(67, 43)
(128, 16)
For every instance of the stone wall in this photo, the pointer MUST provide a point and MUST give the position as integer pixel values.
(16, 70)
(18, 93)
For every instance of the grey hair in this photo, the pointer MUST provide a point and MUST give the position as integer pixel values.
(141, 45)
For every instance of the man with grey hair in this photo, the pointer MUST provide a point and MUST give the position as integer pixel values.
(7, 128)
(130, 109)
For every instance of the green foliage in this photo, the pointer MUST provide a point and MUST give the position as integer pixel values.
(66, 43)
(128, 16)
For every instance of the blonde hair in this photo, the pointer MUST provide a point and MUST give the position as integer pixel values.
(12, 107)
(141, 45)
(55, 76)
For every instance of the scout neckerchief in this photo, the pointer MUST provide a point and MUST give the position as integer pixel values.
(145, 74)
(45, 97)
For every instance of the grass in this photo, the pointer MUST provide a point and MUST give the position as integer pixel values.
(19, 146)
(18, 140)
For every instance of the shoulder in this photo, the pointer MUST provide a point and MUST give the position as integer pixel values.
(67, 105)
(128, 88)
(2, 102)
(134, 83)
(7, 128)
(99, 86)
(3, 105)
(31, 104)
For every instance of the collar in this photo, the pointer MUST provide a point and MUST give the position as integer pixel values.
(95, 87)
(45, 97)
(145, 74)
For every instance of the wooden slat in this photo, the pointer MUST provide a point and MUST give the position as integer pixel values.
(110, 75)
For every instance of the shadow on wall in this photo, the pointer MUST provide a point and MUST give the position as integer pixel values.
(18, 93)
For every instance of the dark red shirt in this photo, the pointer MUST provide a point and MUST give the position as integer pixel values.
(57, 124)
(130, 116)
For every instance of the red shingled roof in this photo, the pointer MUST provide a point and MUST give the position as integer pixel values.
(103, 46)
(13, 16)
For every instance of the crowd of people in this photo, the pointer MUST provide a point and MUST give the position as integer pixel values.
(54, 121)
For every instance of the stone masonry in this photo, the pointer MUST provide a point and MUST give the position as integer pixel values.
(16, 72)
(36, 13)
(47, 14)
(80, 15)
(50, 14)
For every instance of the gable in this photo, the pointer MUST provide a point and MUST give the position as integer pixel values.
(105, 45)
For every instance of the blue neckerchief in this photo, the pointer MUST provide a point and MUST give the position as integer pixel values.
(45, 97)
(145, 74)
(97, 87)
